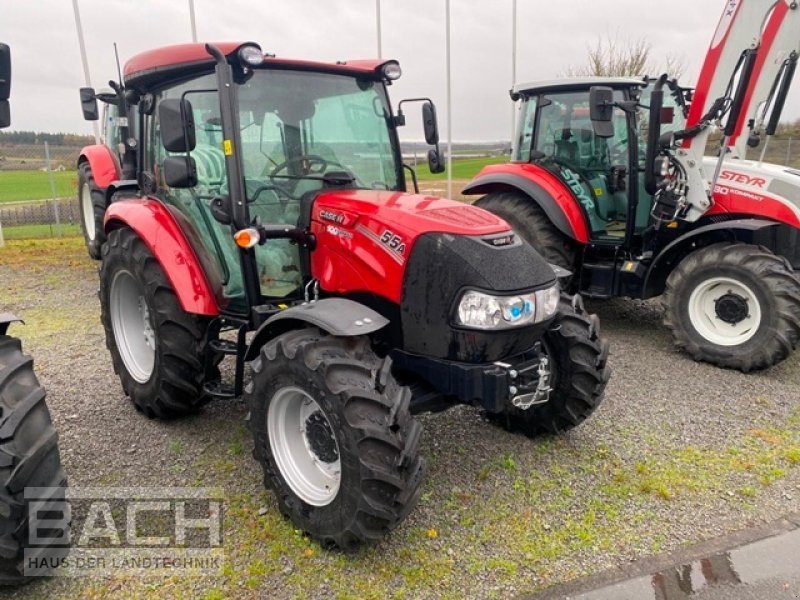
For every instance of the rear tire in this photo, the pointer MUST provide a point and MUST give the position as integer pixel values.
(579, 373)
(156, 347)
(736, 306)
(370, 439)
(531, 222)
(92, 203)
(28, 458)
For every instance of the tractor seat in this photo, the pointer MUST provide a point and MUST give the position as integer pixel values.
(210, 163)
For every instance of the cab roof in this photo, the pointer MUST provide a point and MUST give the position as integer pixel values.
(574, 83)
(160, 65)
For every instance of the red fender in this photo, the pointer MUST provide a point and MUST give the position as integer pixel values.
(159, 230)
(546, 189)
(105, 166)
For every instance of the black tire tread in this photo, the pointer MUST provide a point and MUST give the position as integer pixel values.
(581, 380)
(28, 446)
(388, 437)
(179, 369)
(94, 247)
(782, 283)
(531, 222)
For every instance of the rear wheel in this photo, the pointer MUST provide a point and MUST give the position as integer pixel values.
(92, 203)
(156, 348)
(735, 306)
(578, 373)
(334, 436)
(29, 458)
(531, 222)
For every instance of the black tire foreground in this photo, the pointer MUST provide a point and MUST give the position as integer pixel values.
(175, 386)
(530, 221)
(772, 280)
(579, 375)
(377, 437)
(95, 244)
(28, 458)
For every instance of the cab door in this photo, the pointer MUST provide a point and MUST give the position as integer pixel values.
(594, 168)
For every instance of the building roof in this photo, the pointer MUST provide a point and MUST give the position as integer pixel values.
(161, 64)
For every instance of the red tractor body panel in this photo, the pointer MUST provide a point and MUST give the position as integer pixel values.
(105, 166)
(364, 237)
(194, 55)
(554, 186)
(156, 226)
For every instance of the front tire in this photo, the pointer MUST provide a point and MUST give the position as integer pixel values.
(92, 203)
(735, 306)
(29, 458)
(156, 347)
(531, 222)
(578, 359)
(334, 436)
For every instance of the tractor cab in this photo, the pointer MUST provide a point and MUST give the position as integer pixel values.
(603, 167)
(299, 132)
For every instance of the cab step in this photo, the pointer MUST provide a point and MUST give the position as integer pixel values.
(225, 347)
(219, 390)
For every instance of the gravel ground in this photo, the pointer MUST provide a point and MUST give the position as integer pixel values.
(679, 452)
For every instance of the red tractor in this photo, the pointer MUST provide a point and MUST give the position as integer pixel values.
(609, 181)
(29, 457)
(267, 195)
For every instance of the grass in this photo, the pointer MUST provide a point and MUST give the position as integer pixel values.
(28, 232)
(463, 168)
(520, 520)
(35, 185)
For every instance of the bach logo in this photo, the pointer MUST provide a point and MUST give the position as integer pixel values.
(125, 532)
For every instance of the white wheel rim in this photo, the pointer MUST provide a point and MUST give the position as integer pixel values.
(294, 422)
(703, 312)
(132, 326)
(88, 212)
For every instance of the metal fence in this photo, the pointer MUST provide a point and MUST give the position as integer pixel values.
(38, 191)
(38, 195)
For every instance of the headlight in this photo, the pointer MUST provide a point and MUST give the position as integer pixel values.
(478, 310)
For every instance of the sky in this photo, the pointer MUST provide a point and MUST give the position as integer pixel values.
(552, 37)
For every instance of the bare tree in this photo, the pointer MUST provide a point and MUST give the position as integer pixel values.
(613, 56)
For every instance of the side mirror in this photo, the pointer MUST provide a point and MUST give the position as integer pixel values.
(430, 123)
(176, 120)
(435, 163)
(601, 110)
(180, 171)
(5, 72)
(89, 104)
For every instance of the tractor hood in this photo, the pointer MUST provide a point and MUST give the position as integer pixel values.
(756, 189)
(367, 239)
(407, 215)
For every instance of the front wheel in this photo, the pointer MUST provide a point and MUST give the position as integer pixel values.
(735, 306)
(578, 372)
(156, 347)
(334, 436)
(92, 203)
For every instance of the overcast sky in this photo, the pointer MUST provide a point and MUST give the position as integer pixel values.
(553, 35)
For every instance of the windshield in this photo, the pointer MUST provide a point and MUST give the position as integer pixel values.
(300, 128)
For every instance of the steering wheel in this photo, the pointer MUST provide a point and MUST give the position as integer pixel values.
(314, 165)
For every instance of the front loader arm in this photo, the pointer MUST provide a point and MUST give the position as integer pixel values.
(737, 85)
